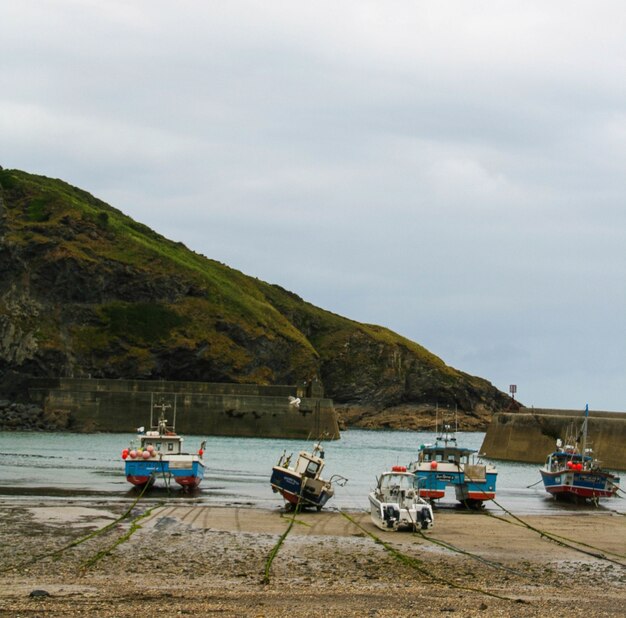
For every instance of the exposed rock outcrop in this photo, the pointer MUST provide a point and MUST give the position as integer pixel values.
(87, 291)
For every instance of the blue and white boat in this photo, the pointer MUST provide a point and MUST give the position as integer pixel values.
(157, 455)
(302, 485)
(571, 471)
(446, 464)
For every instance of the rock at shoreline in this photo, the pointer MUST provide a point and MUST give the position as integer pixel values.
(27, 417)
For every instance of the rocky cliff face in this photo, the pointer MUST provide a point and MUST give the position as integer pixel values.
(87, 291)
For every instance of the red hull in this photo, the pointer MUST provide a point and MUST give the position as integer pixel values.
(139, 481)
(431, 494)
(479, 496)
(188, 481)
(580, 492)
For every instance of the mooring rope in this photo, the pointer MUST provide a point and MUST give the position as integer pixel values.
(125, 537)
(80, 540)
(563, 541)
(418, 565)
(283, 536)
(491, 563)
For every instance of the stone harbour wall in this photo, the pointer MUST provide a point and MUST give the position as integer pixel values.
(199, 408)
(530, 434)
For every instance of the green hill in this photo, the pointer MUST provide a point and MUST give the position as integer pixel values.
(85, 290)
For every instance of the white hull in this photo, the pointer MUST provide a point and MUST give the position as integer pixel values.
(391, 516)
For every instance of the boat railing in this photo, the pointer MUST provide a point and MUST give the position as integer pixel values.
(338, 479)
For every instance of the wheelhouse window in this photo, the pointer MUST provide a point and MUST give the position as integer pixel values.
(311, 469)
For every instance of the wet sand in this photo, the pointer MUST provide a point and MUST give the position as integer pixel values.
(205, 560)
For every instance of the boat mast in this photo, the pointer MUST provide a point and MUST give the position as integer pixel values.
(584, 449)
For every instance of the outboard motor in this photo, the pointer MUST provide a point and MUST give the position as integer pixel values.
(425, 518)
(392, 515)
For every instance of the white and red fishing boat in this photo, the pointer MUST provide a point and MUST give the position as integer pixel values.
(571, 471)
(157, 455)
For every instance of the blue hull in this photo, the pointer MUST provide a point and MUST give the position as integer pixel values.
(583, 484)
(289, 485)
(433, 483)
(140, 472)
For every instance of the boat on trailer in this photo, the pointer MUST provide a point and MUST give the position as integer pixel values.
(395, 503)
(446, 464)
(572, 472)
(157, 455)
(302, 485)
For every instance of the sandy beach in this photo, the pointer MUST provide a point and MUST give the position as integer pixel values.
(204, 561)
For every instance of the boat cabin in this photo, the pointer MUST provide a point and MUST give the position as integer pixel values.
(309, 465)
(445, 454)
(164, 444)
(399, 482)
(571, 460)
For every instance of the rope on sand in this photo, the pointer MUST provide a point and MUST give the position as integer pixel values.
(419, 566)
(283, 536)
(133, 528)
(91, 535)
(491, 563)
(559, 540)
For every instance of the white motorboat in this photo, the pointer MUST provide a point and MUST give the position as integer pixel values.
(395, 503)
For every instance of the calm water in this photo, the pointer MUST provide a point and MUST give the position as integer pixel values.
(89, 467)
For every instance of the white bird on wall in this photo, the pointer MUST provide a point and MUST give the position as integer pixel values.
(294, 401)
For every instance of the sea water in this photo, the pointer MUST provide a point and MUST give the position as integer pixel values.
(89, 467)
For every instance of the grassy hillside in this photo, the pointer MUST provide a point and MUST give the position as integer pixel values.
(85, 290)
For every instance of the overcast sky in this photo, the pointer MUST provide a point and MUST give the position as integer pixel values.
(452, 170)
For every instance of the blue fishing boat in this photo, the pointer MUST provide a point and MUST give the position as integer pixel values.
(446, 464)
(157, 455)
(571, 471)
(302, 485)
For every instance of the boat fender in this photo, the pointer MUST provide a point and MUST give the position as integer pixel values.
(133, 454)
(200, 452)
(146, 454)
(125, 453)
(433, 465)
(398, 468)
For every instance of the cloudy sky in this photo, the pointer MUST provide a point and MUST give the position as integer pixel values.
(453, 170)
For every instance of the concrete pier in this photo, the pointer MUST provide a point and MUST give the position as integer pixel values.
(530, 434)
(201, 408)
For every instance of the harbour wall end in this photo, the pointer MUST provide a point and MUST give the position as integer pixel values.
(530, 434)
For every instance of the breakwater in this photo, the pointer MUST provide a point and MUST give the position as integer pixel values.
(201, 408)
(531, 433)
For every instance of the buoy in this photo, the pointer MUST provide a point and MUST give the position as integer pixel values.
(153, 453)
(200, 452)
(433, 465)
(398, 468)
(125, 453)
(146, 454)
(133, 454)
(149, 448)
